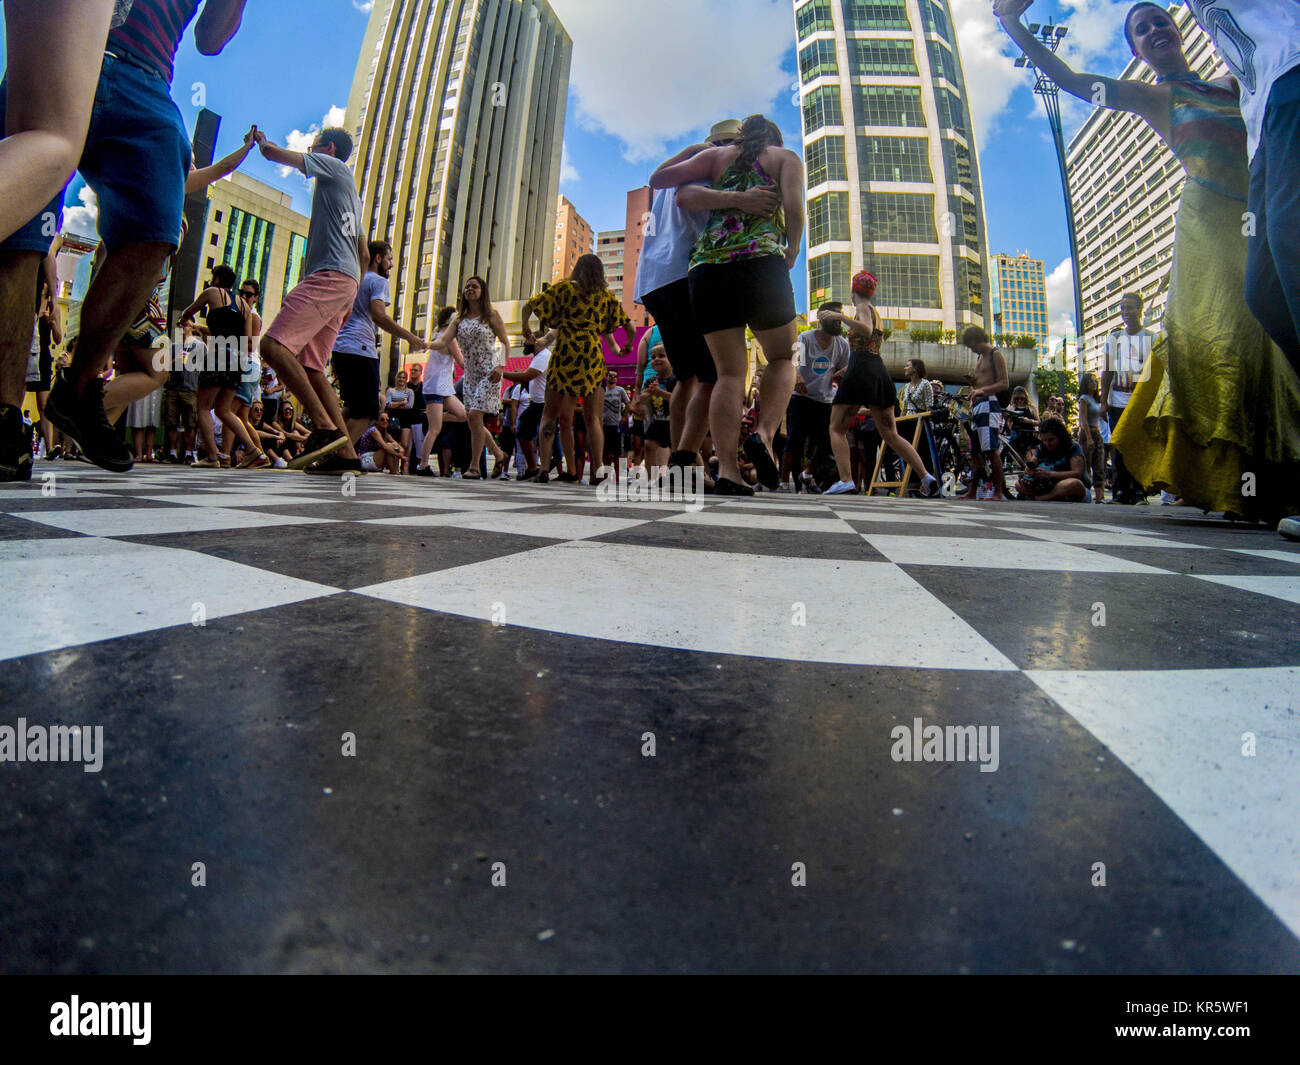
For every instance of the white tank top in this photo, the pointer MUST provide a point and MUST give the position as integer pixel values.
(439, 374)
(1259, 40)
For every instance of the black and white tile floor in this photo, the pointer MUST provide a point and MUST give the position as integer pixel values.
(499, 652)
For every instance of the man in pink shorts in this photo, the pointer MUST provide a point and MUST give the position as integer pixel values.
(298, 343)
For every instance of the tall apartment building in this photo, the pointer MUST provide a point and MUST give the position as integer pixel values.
(252, 228)
(610, 247)
(573, 239)
(1019, 297)
(1126, 186)
(638, 212)
(893, 177)
(457, 110)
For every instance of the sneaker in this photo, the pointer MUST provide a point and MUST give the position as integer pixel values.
(424, 471)
(320, 443)
(279, 463)
(255, 460)
(724, 487)
(786, 486)
(542, 477)
(82, 418)
(840, 487)
(333, 463)
(15, 445)
(456, 476)
(769, 475)
(931, 488)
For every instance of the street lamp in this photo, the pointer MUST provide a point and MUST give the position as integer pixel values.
(1051, 35)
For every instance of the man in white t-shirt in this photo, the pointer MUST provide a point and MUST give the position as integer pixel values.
(534, 380)
(1259, 40)
(823, 357)
(355, 355)
(1125, 355)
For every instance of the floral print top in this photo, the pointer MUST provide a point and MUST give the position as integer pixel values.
(733, 235)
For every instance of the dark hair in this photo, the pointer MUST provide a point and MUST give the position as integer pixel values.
(379, 248)
(920, 367)
(756, 133)
(1089, 387)
(1128, 35)
(833, 305)
(588, 274)
(223, 276)
(973, 334)
(444, 316)
(1056, 427)
(341, 141)
(485, 303)
(253, 283)
(1133, 296)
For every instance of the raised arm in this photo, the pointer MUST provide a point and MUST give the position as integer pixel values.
(203, 177)
(1121, 95)
(275, 154)
(204, 300)
(218, 25)
(698, 167)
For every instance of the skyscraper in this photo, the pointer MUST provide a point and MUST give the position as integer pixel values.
(893, 178)
(457, 109)
(1019, 297)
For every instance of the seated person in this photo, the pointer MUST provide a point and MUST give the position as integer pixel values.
(1057, 469)
(270, 435)
(377, 450)
(294, 432)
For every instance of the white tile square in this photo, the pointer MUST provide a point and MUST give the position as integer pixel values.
(1279, 587)
(1074, 534)
(722, 517)
(61, 593)
(1017, 555)
(151, 521)
(723, 603)
(549, 526)
(1276, 556)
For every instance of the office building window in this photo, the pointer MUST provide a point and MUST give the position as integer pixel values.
(868, 58)
(906, 280)
(826, 161)
(907, 217)
(932, 18)
(887, 105)
(942, 63)
(969, 286)
(882, 15)
(829, 277)
(818, 59)
(957, 162)
(964, 227)
(822, 107)
(828, 218)
(952, 112)
(894, 159)
(813, 17)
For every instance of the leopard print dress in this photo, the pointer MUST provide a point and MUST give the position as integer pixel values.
(577, 365)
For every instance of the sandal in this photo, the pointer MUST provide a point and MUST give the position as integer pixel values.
(471, 475)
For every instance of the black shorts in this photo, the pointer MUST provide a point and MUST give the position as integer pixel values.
(749, 292)
(405, 417)
(223, 379)
(358, 384)
(657, 433)
(529, 422)
(866, 383)
(45, 364)
(613, 443)
(684, 342)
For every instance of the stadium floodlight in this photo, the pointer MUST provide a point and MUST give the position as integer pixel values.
(1023, 61)
(1061, 30)
(1034, 27)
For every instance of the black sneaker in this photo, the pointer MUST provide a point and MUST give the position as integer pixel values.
(320, 443)
(724, 487)
(769, 476)
(15, 445)
(83, 419)
(424, 471)
(332, 463)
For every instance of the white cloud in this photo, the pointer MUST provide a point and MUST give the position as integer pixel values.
(1060, 302)
(568, 172)
(300, 141)
(363, 6)
(711, 59)
(83, 220)
(988, 61)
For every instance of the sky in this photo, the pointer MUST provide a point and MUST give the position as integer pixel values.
(634, 99)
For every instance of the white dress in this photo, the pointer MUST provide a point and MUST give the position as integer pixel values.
(478, 348)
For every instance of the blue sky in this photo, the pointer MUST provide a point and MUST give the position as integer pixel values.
(633, 101)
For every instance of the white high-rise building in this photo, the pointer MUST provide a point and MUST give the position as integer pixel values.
(457, 110)
(893, 178)
(1126, 185)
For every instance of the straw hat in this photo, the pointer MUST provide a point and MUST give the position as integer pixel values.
(726, 130)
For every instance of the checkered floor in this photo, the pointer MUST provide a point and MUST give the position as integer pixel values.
(770, 643)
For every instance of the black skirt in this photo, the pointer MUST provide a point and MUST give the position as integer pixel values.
(866, 383)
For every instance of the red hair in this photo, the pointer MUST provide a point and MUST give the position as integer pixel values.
(864, 284)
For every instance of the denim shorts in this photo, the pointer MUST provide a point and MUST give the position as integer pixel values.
(136, 160)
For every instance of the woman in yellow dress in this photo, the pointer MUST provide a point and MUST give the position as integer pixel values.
(1215, 416)
(580, 309)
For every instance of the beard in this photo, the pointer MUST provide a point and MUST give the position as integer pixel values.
(833, 329)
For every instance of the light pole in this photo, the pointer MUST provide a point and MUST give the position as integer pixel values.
(1051, 35)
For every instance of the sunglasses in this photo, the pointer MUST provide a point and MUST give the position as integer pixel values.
(248, 295)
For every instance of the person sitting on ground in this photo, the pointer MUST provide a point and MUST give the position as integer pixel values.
(1058, 470)
(377, 450)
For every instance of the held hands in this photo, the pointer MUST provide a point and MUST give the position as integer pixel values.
(762, 200)
(495, 375)
(250, 138)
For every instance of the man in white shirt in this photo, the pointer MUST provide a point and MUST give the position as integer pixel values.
(823, 356)
(534, 380)
(1259, 40)
(1126, 353)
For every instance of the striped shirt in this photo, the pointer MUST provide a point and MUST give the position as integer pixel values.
(153, 31)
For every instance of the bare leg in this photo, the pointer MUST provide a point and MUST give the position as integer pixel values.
(296, 380)
(53, 50)
(893, 439)
(329, 402)
(128, 384)
(731, 358)
(841, 418)
(432, 411)
(546, 432)
(207, 398)
(778, 380)
(233, 428)
(115, 298)
(44, 426)
(593, 407)
(17, 314)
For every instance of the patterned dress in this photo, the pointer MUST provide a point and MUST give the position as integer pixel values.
(731, 236)
(577, 365)
(478, 347)
(1217, 400)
